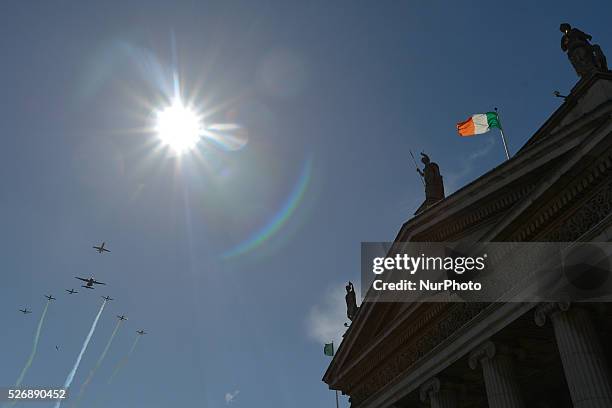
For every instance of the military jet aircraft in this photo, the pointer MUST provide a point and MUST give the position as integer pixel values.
(106, 298)
(49, 297)
(71, 291)
(90, 282)
(100, 248)
(122, 317)
(141, 332)
(25, 311)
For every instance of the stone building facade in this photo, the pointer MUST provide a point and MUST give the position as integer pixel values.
(557, 188)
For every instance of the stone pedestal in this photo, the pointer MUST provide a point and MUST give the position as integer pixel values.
(586, 371)
(498, 371)
(437, 395)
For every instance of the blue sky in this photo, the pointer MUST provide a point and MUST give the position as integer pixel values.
(333, 94)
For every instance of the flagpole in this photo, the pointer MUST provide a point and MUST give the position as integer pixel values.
(503, 137)
(505, 144)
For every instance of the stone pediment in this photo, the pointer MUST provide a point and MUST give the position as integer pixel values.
(557, 188)
(586, 101)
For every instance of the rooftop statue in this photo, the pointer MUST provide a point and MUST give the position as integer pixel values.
(586, 58)
(351, 301)
(434, 185)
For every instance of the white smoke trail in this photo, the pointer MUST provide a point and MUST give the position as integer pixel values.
(120, 364)
(34, 346)
(78, 360)
(124, 359)
(28, 363)
(98, 363)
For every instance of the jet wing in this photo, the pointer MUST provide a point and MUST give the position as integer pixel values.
(83, 279)
(99, 283)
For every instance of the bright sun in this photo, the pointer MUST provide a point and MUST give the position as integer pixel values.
(178, 127)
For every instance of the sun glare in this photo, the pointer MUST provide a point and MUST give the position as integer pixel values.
(178, 127)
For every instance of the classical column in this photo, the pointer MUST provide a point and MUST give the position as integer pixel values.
(498, 371)
(583, 360)
(439, 397)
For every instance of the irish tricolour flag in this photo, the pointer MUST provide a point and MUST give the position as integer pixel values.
(478, 123)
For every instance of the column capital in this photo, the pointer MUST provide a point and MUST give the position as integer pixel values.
(490, 349)
(584, 361)
(439, 394)
(497, 362)
(547, 309)
(484, 350)
(430, 386)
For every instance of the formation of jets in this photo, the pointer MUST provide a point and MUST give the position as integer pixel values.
(89, 284)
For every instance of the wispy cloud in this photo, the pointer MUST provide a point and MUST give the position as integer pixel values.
(231, 396)
(457, 179)
(326, 319)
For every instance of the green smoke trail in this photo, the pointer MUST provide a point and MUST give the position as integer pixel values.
(34, 346)
(124, 359)
(98, 363)
(78, 360)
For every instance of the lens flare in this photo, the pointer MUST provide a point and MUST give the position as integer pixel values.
(279, 220)
(227, 136)
(178, 126)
